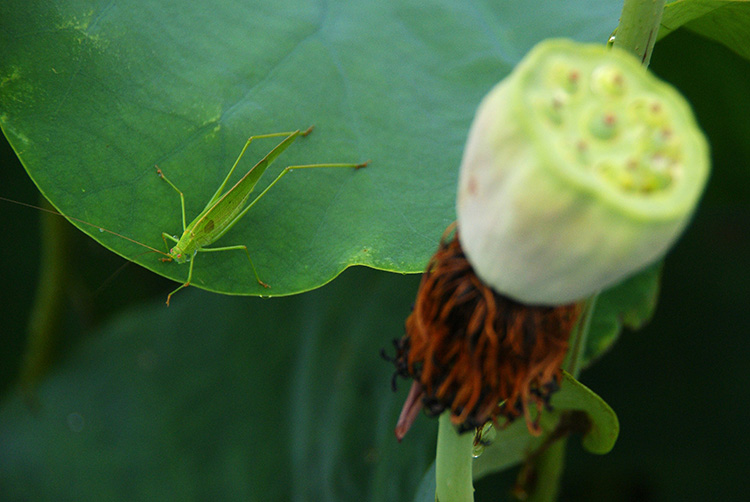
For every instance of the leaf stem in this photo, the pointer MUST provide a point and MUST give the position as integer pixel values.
(578, 337)
(453, 463)
(549, 468)
(636, 33)
(639, 25)
(46, 313)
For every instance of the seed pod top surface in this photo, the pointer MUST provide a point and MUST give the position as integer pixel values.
(606, 123)
(581, 167)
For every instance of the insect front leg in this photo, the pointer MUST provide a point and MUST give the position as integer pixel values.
(189, 278)
(164, 237)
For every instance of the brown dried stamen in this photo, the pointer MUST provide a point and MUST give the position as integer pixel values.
(478, 353)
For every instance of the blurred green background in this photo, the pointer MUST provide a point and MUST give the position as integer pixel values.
(151, 403)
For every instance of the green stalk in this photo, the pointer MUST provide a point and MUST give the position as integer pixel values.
(636, 33)
(639, 25)
(579, 336)
(453, 463)
(548, 473)
(46, 313)
(548, 465)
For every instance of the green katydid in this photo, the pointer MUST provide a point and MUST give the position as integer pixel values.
(225, 209)
(222, 211)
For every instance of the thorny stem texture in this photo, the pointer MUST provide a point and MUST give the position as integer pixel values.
(639, 26)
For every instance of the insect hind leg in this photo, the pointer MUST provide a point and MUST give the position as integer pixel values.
(233, 248)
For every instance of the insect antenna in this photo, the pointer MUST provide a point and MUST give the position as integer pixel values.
(101, 229)
(116, 273)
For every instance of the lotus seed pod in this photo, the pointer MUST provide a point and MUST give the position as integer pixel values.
(580, 168)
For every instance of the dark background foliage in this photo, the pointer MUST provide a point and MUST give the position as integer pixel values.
(145, 403)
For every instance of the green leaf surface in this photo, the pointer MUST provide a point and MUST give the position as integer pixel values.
(514, 443)
(630, 304)
(94, 94)
(427, 487)
(260, 400)
(726, 21)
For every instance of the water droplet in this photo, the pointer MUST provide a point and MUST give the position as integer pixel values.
(483, 438)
